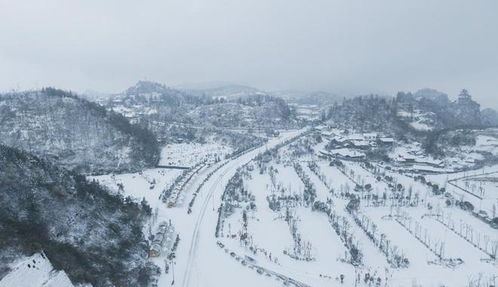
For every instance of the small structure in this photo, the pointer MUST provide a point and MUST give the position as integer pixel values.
(162, 239)
(360, 144)
(386, 141)
(345, 154)
(370, 136)
(407, 158)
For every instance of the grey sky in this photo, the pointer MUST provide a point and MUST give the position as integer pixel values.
(349, 47)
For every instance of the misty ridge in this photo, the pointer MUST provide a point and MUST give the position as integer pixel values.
(248, 143)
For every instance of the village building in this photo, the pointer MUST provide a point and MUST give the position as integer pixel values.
(163, 239)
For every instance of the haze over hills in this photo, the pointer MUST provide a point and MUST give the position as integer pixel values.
(311, 98)
(224, 91)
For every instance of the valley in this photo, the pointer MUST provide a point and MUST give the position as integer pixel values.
(328, 200)
(401, 232)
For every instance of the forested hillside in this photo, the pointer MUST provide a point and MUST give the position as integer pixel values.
(93, 236)
(153, 102)
(73, 132)
(254, 111)
(424, 111)
(186, 116)
(364, 113)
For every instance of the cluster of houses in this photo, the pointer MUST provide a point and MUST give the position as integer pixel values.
(342, 145)
(364, 141)
(354, 146)
(163, 239)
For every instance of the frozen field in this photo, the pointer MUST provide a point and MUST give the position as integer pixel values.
(285, 218)
(189, 154)
(408, 218)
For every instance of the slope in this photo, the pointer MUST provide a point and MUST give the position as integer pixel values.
(93, 236)
(73, 132)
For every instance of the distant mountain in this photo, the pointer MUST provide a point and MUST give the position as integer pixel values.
(252, 111)
(431, 110)
(227, 92)
(93, 236)
(152, 102)
(435, 96)
(489, 117)
(180, 115)
(94, 96)
(74, 132)
(423, 111)
(309, 98)
(364, 113)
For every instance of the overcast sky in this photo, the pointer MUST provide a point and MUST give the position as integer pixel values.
(345, 47)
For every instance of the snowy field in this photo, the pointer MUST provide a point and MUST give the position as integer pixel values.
(35, 271)
(184, 267)
(147, 184)
(189, 154)
(281, 215)
(443, 245)
(479, 187)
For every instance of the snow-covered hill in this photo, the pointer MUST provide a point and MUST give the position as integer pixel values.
(177, 116)
(73, 132)
(227, 92)
(94, 236)
(256, 111)
(423, 111)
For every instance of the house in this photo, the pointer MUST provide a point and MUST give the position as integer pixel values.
(386, 141)
(370, 136)
(162, 238)
(155, 250)
(335, 143)
(346, 154)
(407, 158)
(360, 144)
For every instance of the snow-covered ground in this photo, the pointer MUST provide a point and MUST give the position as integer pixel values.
(189, 154)
(479, 187)
(422, 121)
(35, 271)
(148, 184)
(198, 258)
(270, 235)
(266, 257)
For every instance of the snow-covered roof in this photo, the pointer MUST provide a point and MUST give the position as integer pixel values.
(370, 135)
(361, 143)
(347, 153)
(386, 140)
(355, 137)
